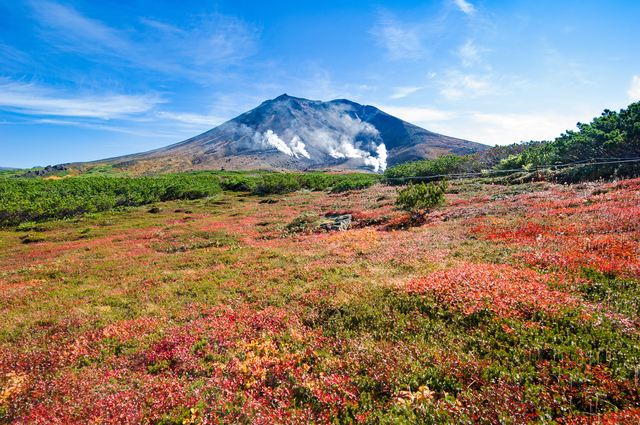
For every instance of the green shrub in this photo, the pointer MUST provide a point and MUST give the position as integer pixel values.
(238, 183)
(290, 182)
(445, 164)
(355, 182)
(301, 224)
(37, 200)
(421, 197)
(611, 135)
(276, 184)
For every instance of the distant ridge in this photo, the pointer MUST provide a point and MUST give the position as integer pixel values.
(293, 134)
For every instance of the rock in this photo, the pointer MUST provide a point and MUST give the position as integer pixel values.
(335, 222)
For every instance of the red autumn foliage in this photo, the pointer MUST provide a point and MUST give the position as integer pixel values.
(499, 288)
(310, 328)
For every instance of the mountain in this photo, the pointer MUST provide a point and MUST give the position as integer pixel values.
(289, 133)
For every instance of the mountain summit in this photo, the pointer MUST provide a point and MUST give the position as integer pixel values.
(289, 133)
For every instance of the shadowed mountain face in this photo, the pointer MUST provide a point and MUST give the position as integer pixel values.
(295, 134)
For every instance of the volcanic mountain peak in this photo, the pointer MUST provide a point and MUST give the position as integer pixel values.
(294, 133)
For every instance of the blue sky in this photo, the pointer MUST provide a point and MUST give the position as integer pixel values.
(83, 80)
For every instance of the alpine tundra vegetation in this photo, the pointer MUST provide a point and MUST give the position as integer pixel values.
(510, 303)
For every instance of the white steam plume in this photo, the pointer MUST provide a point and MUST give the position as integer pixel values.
(335, 132)
(299, 147)
(343, 137)
(271, 139)
(379, 163)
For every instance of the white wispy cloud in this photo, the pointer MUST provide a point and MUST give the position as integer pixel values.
(465, 7)
(507, 128)
(418, 115)
(634, 91)
(457, 85)
(187, 118)
(317, 83)
(512, 128)
(34, 99)
(195, 51)
(469, 53)
(404, 92)
(154, 132)
(401, 40)
(161, 26)
(417, 39)
(66, 27)
(213, 40)
(519, 121)
(11, 55)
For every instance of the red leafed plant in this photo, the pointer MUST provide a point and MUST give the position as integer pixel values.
(500, 288)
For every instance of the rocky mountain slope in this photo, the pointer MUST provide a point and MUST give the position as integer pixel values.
(289, 133)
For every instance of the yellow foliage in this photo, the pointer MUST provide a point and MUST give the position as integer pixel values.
(356, 241)
(14, 385)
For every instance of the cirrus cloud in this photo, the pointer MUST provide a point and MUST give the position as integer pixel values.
(457, 85)
(34, 99)
(198, 50)
(465, 7)
(401, 40)
(189, 118)
(634, 91)
(404, 92)
(418, 115)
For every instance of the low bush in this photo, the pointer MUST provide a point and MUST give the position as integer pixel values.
(355, 182)
(421, 197)
(37, 200)
(271, 184)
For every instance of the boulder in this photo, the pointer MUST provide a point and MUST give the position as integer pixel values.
(335, 222)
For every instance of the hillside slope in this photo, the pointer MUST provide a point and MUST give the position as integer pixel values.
(289, 133)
